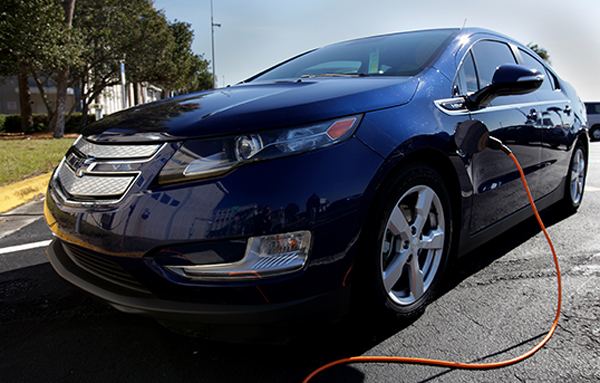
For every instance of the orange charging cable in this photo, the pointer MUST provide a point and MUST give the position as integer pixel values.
(468, 366)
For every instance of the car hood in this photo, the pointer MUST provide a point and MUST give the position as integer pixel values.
(250, 107)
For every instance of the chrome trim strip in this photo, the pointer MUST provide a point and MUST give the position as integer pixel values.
(104, 181)
(110, 151)
(58, 192)
(451, 112)
(92, 167)
(464, 112)
(512, 106)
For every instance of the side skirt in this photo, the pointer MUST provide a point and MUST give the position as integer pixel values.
(470, 242)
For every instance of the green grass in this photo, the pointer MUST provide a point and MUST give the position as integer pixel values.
(22, 159)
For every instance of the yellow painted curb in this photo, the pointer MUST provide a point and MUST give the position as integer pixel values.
(19, 193)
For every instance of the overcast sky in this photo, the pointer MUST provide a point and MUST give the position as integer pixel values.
(256, 34)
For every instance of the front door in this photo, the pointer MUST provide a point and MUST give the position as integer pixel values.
(498, 190)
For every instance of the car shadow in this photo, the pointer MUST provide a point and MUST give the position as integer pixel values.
(478, 259)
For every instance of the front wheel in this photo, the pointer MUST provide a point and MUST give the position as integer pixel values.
(408, 240)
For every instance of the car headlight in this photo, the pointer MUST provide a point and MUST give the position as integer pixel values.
(213, 156)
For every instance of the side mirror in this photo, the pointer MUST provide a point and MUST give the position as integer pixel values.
(508, 80)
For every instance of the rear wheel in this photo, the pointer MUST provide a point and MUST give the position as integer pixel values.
(595, 133)
(576, 179)
(408, 240)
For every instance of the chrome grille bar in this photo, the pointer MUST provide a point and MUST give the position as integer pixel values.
(92, 185)
(98, 174)
(115, 151)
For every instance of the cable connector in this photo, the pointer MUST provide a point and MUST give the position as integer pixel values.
(496, 144)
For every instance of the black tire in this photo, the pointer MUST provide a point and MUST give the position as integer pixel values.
(405, 249)
(576, 179)
(595, 133)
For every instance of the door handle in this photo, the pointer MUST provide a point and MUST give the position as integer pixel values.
(568, 110)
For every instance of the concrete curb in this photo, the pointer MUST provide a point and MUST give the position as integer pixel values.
(19, 193)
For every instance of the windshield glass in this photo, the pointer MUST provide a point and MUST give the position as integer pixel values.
(403, 54)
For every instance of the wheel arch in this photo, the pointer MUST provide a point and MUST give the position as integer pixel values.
(446, 164)
(568, 204)
(443, 164)
(435, 159)
(586, 138)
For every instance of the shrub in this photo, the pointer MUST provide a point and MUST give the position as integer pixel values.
(11, 123)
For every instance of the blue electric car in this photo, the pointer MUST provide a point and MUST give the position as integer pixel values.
(329, 181)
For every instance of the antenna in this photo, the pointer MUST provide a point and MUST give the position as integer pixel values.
(465, 23)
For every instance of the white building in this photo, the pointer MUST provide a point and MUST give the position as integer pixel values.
(9, 97)
(109, 101)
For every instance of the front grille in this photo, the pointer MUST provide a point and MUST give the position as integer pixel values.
(102, 268)
(101, 173)
(90, 186)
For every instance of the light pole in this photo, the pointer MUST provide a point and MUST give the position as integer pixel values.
(212, 27)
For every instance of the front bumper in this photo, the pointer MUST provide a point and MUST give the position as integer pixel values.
(130, 300)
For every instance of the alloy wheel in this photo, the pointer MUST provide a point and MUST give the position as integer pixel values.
(413, 245)
(577, 177)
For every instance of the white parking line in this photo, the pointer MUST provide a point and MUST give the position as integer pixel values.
(20, 217)
(27, 246)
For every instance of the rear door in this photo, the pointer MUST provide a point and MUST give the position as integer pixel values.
(557, 119)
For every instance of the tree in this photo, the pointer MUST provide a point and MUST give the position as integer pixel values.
(540, 52)
(134, 33)
(203, 79)
(62, 78)
(114, 32)
(85, 45)
(166, 58)
(8, 63)
(149, 58)
(32, 37)
(191, 70)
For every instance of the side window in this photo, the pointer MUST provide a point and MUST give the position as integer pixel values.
(592, 107)
(531, 62)
(466, 79)
(489, 55)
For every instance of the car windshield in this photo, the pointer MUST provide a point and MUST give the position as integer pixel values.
(403, 54)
